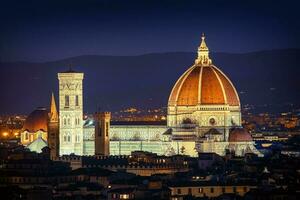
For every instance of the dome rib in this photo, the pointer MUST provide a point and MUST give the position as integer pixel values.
(211, 90)
(188, 93)
(222, 86)
(199, 89)
(203, 85)
(231, 93)
(177, 87)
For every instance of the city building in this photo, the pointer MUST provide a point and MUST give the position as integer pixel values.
(35, 126)
(139, 163)
(70, 112)
(204, 115)
(207, 189)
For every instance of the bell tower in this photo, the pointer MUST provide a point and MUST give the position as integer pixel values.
(70, 112)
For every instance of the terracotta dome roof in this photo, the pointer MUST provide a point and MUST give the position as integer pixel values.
(203, 84)
(37, 120)
(239, 135)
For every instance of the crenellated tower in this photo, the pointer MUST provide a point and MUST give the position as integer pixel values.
(102, 125)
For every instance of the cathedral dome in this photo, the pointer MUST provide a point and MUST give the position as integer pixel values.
(37, 120)
(239, 135)
(203, 84)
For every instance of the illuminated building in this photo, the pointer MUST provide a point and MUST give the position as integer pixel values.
(102, 133)
(35, 126)
(204, 110)
(207, 189)
(70, 113)
(204, 115)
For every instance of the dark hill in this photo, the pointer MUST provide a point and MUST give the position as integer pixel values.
(114, 82)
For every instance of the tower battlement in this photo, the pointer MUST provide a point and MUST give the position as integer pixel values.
(105, 114)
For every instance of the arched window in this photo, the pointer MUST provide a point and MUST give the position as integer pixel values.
(65, 138)
(69, 138)
(26, 136)
(65, 121)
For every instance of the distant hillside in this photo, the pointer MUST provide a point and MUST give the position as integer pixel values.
(114, 82)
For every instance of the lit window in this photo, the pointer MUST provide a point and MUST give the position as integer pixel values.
(200, 190)
(124, 196)
(178, 191)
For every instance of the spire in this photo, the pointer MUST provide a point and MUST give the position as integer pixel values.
(203, 53)
(53, 115)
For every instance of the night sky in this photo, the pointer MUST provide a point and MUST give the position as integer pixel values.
(38, 31)
(35, 30)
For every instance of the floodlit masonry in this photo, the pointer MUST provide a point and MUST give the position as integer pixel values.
(204, 115)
